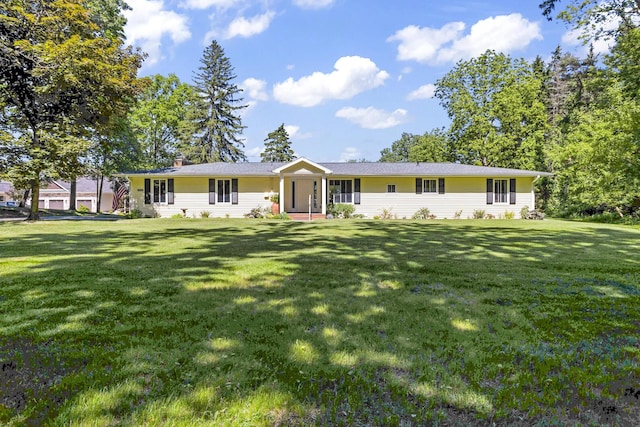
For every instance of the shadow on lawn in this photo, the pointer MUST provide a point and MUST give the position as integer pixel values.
(291, 323)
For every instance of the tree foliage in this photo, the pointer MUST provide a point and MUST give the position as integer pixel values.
(159, 120)
(432, 146)
(598, 165)
(277, 146)
(216, 118)
(399, 151)
(595, 18)
(61, 78)
(497, 114)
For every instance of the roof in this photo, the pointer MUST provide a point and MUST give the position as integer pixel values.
(339, 169)
(87, 185)
(5, 187)
(83, 185)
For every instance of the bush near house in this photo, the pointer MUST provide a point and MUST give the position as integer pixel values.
(341, 210)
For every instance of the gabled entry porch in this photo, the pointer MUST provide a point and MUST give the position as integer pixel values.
(303, 187)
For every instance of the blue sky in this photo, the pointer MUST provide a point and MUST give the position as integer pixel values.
(346, 77)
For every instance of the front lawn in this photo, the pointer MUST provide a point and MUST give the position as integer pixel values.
(248, 322)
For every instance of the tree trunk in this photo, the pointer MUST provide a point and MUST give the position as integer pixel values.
(34, 214)
(25, 197)
(72, 196)
(99, 185)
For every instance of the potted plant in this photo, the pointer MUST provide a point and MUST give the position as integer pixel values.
(275, 203)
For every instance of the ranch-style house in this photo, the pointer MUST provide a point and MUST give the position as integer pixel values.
(448, 190)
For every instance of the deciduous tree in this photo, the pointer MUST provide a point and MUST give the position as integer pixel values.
(61, 77)
(159, 120)
(496, 111)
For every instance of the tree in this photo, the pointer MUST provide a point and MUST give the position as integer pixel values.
(433, 146)
(624, 60)
(277, 146)
(496, 110)
(112, 152)
(61, 78)
(216, 116)
(159, 120)
(594, 17)
(598, 166)
(399, 151)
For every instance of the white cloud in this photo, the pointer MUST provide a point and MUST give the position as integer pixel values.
(255, 151)
(350, 153)
(373, 118)
(352, 75)
(148, 23)
(244, 27)
(313, 4)
(423, 92)
(255, 89)
(294, 132)
(422, 44)
(206, 4)
(503, 33)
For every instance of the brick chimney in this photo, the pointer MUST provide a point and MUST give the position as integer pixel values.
(179, 162)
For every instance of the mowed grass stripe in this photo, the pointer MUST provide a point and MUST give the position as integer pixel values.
(242, 322)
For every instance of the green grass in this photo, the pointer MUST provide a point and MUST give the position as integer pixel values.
(248, 322)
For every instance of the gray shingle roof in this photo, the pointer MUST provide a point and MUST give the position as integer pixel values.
(341, 169)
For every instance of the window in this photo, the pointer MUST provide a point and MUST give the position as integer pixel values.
(501, 191)
(160, 191)
(340, 191)
(391, 188)
(430, 186)
(224, 191)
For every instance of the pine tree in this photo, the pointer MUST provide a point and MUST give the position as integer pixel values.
(277, 146)
(216, 114)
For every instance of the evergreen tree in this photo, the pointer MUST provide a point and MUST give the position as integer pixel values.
(277, 146)
(216, 113)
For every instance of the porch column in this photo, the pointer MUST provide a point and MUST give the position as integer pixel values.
(324, 195)
(281, 193)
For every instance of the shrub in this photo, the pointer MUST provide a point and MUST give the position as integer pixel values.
(422, 213)
(284, 216)
(135, 213)
(205, 214)
(524, 212)
(386, 213)
(176, 216)
(256, 213)
(478, 214)
(83, 209)
(341, 210)
(509, 215)
(458, 214)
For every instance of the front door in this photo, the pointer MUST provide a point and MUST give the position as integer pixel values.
(303, 190)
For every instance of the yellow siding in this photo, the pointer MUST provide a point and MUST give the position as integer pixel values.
(461, 194)
(192, 195)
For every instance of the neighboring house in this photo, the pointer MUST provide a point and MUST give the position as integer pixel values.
(6, 193)
(233, 189)
(56, 195)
